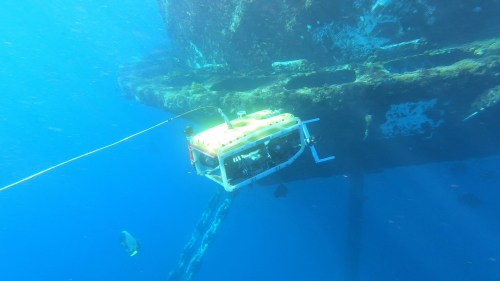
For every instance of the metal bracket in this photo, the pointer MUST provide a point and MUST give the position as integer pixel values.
(308, 136)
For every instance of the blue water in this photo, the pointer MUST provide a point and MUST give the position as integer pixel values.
(59, 99)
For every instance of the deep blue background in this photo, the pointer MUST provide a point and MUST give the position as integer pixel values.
(59, 99)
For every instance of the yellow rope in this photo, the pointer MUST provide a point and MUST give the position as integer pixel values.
(102, 148)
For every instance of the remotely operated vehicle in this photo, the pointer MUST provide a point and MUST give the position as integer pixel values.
(244, 150)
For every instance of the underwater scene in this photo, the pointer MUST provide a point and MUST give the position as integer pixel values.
(247, 140)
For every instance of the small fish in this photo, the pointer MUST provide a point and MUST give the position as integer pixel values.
(281, 191)
(129, 243)
(470, 200)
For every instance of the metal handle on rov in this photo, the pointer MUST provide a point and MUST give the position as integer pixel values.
(310, 142)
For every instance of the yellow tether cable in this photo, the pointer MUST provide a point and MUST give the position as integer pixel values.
(107, 146)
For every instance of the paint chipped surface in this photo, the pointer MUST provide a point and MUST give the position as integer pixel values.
(409, 118)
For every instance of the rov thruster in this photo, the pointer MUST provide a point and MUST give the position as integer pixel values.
(241, 151)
